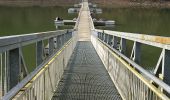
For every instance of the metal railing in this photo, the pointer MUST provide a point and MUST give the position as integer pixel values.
(51, 59)
(59, 48)
(132, 81)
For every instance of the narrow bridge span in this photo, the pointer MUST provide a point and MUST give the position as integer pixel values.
(83, 64)
(85, 77)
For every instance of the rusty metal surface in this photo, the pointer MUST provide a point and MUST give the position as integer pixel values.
(85, 77)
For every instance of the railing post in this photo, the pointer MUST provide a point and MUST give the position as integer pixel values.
(110, 40)
(98, 35)
(55, 42)
(162, 68)
(66, 36)
(63, 39)
(39, 52)
(102, 36)
(166, 63)
(14, 68)
(136, 52)
(58, 42)
(115, 40)
(51, 45)
(123, 46)
(106, 38)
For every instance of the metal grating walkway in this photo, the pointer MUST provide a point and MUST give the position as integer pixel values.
(85, 77)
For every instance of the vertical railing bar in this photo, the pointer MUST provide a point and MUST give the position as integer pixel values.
(5, 73)
(1, 58)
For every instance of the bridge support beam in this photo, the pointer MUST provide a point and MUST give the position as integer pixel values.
(66, 36)
(55, 42)
(106, 38)
(123, 45)
(110, 40)
(51, 45)
(167, 67)
(39, 52)
(13, 68)
(63, 39)
(58, 42)
(115, 40)
(102, 36)
(136, 52)
(99, 35)
(163, 67)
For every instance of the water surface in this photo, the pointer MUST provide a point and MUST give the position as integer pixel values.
(139, 20)
(23, 20)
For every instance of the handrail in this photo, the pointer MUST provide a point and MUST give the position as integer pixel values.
(78, 19)
(157, 41)
(139, 68)
(11, 42)
(136, 69)
(34, 74)
(146, 39)
(13, 62)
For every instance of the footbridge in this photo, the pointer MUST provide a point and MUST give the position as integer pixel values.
(83, 63)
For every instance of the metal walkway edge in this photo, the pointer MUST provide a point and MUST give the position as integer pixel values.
(85, 77)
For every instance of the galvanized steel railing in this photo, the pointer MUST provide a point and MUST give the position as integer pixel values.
(46, 76)
(51, 59)
(132, 81)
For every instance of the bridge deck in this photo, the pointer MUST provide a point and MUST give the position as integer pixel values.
(85, 77)
(84, 23)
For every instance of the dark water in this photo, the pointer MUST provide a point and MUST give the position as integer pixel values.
(22, 20)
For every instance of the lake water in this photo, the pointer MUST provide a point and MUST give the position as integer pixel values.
(19, 20)
(151, 21)
(23, 20)
(140, 20)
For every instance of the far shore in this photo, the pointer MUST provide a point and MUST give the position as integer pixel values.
(111, 4)
(126, 4)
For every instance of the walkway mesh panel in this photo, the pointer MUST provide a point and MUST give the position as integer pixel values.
(85, 77)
